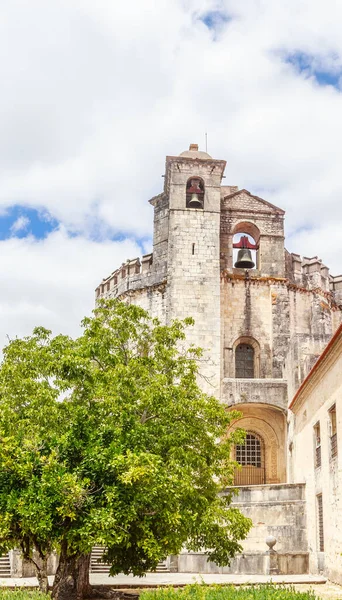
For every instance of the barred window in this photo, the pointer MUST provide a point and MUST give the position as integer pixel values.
(244, 361)
(317, 443)
(250, 452)
(320, 524)
(333, 431)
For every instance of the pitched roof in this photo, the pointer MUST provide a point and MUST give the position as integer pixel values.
(261, 200)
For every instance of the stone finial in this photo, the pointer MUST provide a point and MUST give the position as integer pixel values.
(271, 542)
(146, 262)
(193, 147)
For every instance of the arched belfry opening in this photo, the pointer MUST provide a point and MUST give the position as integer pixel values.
(246, 246)
(195, 193)
(251, 457)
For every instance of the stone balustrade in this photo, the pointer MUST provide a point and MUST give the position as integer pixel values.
(261, 391)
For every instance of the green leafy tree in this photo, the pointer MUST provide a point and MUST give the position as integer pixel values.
(108, 440)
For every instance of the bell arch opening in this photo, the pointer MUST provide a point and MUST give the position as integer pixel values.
(251, 457)
(195, 193)
(246, 237)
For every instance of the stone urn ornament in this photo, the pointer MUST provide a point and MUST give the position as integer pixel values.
(271, 542)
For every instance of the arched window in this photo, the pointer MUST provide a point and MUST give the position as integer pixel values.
(244, 361)
(250, 456)
(195, 193)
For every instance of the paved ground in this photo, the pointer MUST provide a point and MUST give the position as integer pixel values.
(164, 579)
(322, 588)
(326, 592)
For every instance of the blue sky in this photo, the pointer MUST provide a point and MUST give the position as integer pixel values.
(19, 221)
(95, 95)
(310, 66)
(215, 19)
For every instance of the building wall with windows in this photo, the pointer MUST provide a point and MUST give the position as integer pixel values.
(261, 328)
(316, 442)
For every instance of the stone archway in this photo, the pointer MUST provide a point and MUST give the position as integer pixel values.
(273, 439)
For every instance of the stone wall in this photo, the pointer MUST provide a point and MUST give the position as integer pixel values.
(277, 510)
(272, 392)
(321, 391)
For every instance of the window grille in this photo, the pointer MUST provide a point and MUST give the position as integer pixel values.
(333, 431)
(317, 441)
(320, 523)
(250, 456)
(244, 361)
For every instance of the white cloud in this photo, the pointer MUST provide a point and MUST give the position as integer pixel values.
(20, 224)
(95, 94)
(51, 282)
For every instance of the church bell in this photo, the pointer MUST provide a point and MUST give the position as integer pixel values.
(195, 201)
(244, 259)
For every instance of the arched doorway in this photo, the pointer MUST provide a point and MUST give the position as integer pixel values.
(268, 425)
(251, 456)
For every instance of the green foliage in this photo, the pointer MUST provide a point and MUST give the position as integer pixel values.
(22, 595)
(216, 592)
(108, 439)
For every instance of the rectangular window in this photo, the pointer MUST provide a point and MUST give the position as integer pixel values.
(317, 442)
(333, 431)
(320, 528)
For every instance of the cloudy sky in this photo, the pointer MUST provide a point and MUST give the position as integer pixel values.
(95, 94)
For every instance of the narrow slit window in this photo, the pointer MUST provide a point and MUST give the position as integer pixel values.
(317, 443)
(333, 431)
(320, 524)
(193, 249)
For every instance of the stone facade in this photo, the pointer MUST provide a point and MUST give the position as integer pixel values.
(315, 437)
(273, 320)
(285, 309)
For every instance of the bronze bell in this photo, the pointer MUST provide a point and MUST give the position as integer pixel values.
(195, 201)
(244, 259)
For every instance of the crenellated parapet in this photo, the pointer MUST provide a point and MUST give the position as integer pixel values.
(335, 284)
(310, 273)
(133, 274)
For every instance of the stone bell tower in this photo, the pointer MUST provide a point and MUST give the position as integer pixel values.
(192, 185)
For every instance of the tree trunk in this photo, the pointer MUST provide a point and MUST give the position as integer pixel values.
(83, 583)
(40, 567)
(42, 576)
(72, 577)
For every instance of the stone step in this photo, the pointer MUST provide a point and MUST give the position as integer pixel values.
(99, 567)
(276, 492)
(5, 566)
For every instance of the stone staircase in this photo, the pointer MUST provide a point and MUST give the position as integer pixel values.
(95, 565)
(100, 567)
(5, 566)
(276, 510)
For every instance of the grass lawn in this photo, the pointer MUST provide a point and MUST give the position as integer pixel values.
(212, 592)
(22, 595)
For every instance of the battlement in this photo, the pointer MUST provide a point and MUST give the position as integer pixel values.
(133, 274)
(311, 273)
